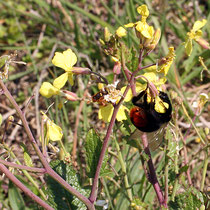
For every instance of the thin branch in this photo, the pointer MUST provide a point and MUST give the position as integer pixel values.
(27, 168)
(24, 188)
(94, 190)
(152, 174)
(49, 170)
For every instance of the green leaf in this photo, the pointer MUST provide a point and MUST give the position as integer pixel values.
(183, 169)
(15, 198)
(59, 198)
(26, 155)
(191, 199)
(93, 147)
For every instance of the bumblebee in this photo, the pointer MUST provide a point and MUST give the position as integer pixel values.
(145, 116)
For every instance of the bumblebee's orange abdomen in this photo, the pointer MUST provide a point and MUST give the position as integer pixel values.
(138, 117)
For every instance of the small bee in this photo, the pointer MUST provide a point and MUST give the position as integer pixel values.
(99, 97)
(146, 118)
(108, 94)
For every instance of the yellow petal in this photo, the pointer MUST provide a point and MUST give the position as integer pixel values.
(65, 60)
(139, 87)
(188, 47)
(54, 132)
(146, 30)
(198, 34)
(199, 24)
(120, 32)
(121, 113)
(151, 69)
(160, 106)
(60, 81)
(47, 90)
(129, 25)
(105, 112)
(143, 10)
(155, 78)
(70, 78)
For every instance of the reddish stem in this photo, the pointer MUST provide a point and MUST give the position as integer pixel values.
(152, 174)
(49, 170)
(35, 170)
(94, 190)
(24, 188)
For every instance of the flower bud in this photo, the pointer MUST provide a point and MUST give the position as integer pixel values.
(155, 40)
(203, 43)
(107, 34)
(80, 70)
(117, 68)
(70, 95)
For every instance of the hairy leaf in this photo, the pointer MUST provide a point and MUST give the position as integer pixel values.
(93, 147)
(59, 198)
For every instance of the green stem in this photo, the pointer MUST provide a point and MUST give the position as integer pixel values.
(191, 121)
(166, 182)
(107, 192)
(174, 189)
(123, 166)
(26, 173)
(205, 165)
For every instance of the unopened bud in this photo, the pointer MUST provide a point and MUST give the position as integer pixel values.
(117, 68)
(80, 70)
(107, 34)
(203, 43)
(155, 40)
(70, 95)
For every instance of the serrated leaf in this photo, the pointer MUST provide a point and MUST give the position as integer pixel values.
(15, 198)
(27, 158)
(93, 147)
(191, 199)
(59, 198)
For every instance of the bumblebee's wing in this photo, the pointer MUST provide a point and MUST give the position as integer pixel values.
(154, 138)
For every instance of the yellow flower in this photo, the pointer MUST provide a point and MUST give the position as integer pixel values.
(139, 87)
(66, 61)
(165, 63)
(105, 113)
(53, 131)
(194, 34)
(120, 32)
(142, 27)
(47, 90)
